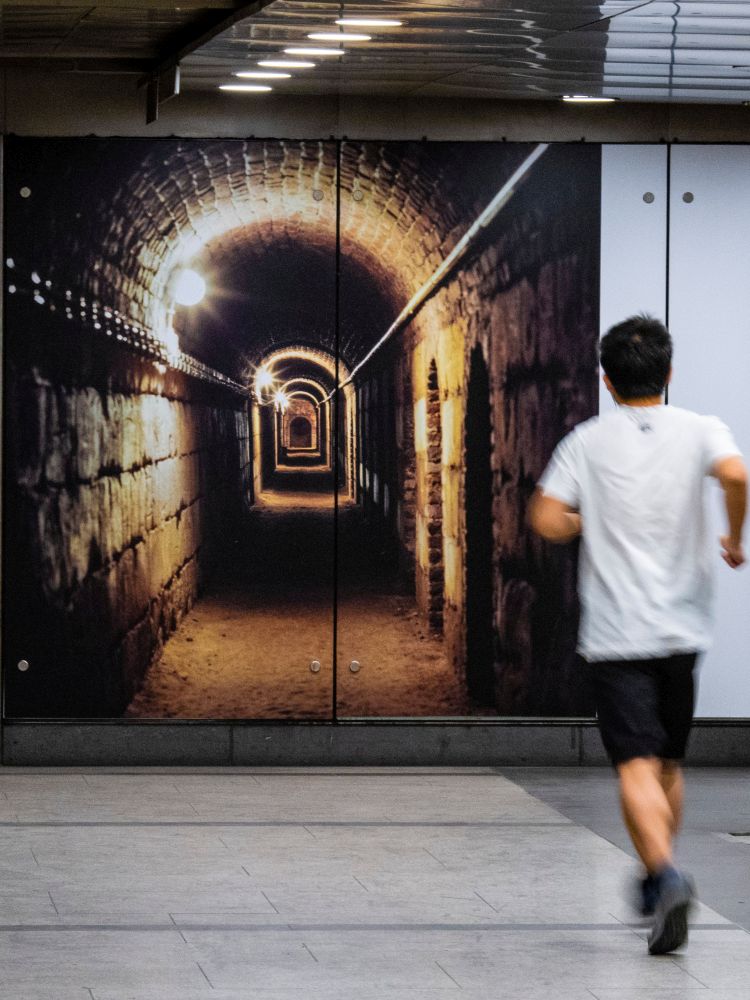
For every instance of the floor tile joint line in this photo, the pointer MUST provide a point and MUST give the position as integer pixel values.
(204, 975)
(448, 975)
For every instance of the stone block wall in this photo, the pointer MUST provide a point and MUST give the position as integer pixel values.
(434, 508)
(384, 447)
(406, 475)
(119, 497)
(529, 298)
(371, 446)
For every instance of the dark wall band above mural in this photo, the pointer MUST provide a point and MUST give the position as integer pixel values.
(269, 399)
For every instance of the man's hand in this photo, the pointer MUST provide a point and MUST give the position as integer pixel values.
(554, 520)
(732, 476)
(575, 523)
(733, 553)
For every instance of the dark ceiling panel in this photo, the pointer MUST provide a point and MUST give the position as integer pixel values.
(111, 30)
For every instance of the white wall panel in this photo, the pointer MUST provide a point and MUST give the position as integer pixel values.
(709, 314)
(634, 236)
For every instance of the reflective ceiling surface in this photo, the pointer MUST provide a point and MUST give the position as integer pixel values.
(647, 51)
(691, 51)
(106, 37)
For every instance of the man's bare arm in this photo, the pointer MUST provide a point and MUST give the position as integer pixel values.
(732, 475)
(554, 520)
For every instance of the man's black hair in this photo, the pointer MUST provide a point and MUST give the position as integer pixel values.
(636, 355)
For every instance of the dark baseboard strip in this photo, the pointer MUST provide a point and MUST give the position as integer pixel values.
(402, 744)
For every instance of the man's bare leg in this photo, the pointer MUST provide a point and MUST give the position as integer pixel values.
(651, 792)
(648, 810)
(673, 783)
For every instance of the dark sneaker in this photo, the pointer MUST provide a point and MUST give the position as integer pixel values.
(675, 896)
(647, 892)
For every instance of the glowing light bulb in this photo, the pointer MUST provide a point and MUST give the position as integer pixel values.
(189, 287)
(281, 400)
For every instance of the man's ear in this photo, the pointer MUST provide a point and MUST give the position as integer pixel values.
(605, 379)
(669, 376)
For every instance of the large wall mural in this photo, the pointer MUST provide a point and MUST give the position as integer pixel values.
(272, 402)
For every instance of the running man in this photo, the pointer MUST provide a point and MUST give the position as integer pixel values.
(631, 484)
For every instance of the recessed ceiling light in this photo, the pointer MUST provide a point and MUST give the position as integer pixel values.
(581, 99)
(256, 75)
(306, 51)
(246, 88)
(368, 22)
(338, 36)
(287, 63)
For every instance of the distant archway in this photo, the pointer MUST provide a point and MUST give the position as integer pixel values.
(300, 433)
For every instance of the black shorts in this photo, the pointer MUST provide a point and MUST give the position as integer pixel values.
(645, 707)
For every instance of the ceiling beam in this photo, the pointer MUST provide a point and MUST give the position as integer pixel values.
(202, 30)
(187, 41)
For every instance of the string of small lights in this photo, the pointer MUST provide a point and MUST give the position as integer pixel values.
(109, 322)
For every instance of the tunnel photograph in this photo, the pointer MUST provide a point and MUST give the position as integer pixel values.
(273, 413)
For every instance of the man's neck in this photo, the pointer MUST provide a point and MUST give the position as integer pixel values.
(641, 401)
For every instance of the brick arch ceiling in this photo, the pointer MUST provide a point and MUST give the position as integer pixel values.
(399, 208)
(268, 287)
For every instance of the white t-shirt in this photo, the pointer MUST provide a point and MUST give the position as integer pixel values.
(637, 477)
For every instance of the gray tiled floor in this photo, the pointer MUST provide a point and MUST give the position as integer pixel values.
(396, 884)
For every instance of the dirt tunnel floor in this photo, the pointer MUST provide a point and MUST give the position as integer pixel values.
(244, 650)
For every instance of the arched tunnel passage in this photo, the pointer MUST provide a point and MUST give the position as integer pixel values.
(270, 320)
(153, 474)
(305, 422)
(295, 383)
